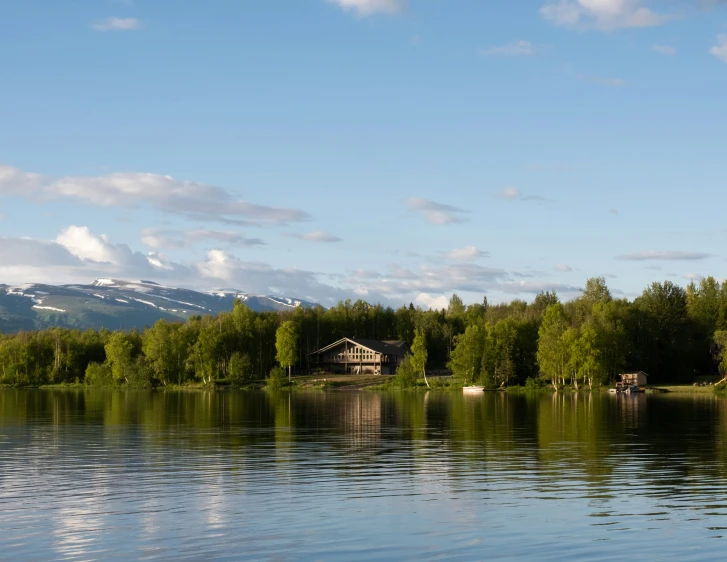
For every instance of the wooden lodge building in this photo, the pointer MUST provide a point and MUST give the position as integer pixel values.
(627, 380)
(358, 356)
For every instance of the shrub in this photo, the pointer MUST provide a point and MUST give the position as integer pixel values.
(276, 379)
(535, 383)
(99, 374)
(406, 376)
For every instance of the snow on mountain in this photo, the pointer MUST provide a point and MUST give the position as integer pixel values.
(117, 303)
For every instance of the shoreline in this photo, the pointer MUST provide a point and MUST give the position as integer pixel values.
(348, 383)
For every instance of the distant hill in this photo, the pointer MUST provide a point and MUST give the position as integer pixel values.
(117, 304)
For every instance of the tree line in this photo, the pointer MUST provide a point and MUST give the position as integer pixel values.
(672, 333)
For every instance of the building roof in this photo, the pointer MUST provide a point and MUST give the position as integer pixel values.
(398, 348)
(635, 373)
(397, 343)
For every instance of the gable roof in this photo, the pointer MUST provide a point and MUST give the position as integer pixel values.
(634, 373)
(385, 348)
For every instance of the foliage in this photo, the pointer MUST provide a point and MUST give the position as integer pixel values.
(552, 342)
(468, 353)
(99, 374)
(406, 374)
(120, 356)
(276, 378)
(286, 344)
(720, 340)
(535, 384)
(239, 368)
(668, 331)
(418, 357)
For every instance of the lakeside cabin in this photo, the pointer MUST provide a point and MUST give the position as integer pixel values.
(354, 356)
(627, 380)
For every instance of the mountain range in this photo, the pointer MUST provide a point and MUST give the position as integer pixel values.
(118, 304)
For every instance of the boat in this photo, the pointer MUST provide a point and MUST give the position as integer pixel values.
(612, 390)
(473, 388)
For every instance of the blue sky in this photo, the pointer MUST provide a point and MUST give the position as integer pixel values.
(393, 150)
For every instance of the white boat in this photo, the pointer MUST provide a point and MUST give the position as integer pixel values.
(612, 390)
(473, 388)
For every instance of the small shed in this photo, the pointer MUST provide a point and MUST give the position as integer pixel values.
(639, 378)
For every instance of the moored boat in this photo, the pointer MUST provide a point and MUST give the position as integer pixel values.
(473, 388)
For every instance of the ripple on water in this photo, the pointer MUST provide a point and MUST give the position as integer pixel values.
(358, 476)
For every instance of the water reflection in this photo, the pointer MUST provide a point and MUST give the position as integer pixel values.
(214, 475)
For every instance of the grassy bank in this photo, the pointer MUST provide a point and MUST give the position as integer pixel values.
(684, 389)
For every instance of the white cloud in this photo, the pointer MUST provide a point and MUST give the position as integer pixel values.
(176, 239)
(601, 14)
(436, 213)
(431, 302)
(31, 260)
(131, 189)
(514, 49)
(664, 255)
(694, 276)
(563, 267)
(317, 236)
(509, 193)
(31, 253)
(720, 49)
(462, 277)
(85, 245)
(77, 253)
(117, 24)
(468, 253)
(371, 7)
(664, 49)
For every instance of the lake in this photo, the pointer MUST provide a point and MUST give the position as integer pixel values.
(104, 475)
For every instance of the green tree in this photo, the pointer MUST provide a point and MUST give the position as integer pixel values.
(664, 334)
(573, 359)
(502, 349)
(119, 356)
(238, 368)
(720, 340)
(552, 356)
(206, 354)
(588, 350)
(286, 344)
(456, 306)
(466, 361)
(419, 355)
(98, 374)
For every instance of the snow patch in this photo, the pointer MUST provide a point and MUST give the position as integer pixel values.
(99, 296)
(122, 300)
(53, 308)
(145, 302)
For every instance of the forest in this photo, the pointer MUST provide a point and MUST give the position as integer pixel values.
(672, 333)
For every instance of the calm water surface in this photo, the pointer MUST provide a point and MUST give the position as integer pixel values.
(89, 475)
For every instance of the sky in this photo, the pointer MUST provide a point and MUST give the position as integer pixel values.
(390, 150)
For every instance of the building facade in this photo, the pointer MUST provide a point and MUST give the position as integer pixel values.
(359, 356)
(633, 379)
